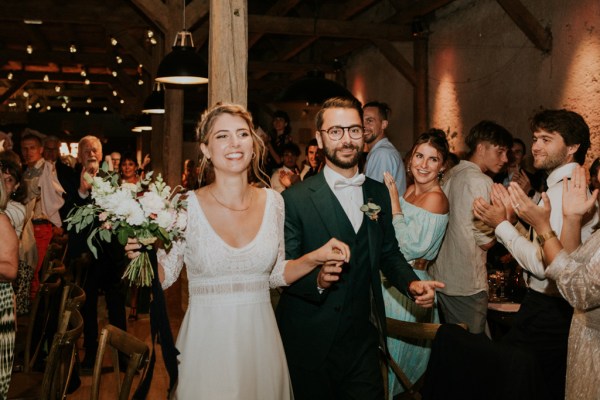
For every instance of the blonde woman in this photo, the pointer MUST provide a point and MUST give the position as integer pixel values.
(229, 342)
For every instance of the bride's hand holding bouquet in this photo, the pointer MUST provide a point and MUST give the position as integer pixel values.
(149, 211)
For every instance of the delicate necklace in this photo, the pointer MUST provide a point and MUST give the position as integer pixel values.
(229, 208)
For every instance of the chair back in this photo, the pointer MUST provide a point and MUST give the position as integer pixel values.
(52, 384)
(61, 359)
(136, 351)
(397, 329)
(43, 321)
(72, 298)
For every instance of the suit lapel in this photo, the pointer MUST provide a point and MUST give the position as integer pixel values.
(330, 210)
(373, 231)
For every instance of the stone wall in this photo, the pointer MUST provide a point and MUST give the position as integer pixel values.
(482, 66)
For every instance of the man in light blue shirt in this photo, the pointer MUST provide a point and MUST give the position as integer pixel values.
(382, 156)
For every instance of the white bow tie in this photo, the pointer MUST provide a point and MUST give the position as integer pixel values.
(357, 181)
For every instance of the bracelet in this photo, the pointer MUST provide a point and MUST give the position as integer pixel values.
(398, 213)
(545, 236)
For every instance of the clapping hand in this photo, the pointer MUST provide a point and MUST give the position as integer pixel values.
(332, 255)
(536, 216)
(575, 195)
(521, 179)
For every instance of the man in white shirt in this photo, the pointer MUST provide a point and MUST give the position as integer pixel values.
(561, 139)
(460, 263)
(382, 156)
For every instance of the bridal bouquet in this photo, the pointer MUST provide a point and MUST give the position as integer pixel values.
(148, 211)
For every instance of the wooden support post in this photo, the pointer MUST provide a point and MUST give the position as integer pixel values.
(228, 52)
(420, 98)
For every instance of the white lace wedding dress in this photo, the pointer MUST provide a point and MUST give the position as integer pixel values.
(229, 342)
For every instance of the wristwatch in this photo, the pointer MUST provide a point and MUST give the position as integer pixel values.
(545, 236)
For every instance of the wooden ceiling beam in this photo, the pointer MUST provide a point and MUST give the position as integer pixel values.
(326, 27)
(397, 60)
(349, 10)
(15, 86)
(281, 7)
(195, 11)
(70, 12)
(286, 67)
(408, 12)
(155, 10)
(538, 35)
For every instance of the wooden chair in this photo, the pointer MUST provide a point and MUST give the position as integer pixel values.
(72, 298)
(53, 382)
(397, 329)
(43, 321)
(119, 341)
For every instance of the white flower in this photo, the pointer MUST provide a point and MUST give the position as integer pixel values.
(101, 187)
(132, 187)
(133, 214)
(166, 218)
(152, 203)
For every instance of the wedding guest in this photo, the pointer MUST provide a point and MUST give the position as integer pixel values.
(9, 259)
(103, 272)
(420, 218)
(129, 170)
(44, 198)
(21, 222)
(461, 260)
(233, 251)
(576, 271)
(594, 173)
(189, 179)
(332, 321)
(280, 134)
(313, 162)
(383, 155)
(561, 139)
(288, 174)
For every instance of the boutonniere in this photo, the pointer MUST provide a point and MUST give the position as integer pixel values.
(371, 209)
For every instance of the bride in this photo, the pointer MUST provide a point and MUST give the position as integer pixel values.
(233, 250)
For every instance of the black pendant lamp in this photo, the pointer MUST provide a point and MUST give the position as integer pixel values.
(183, 66)
(142, 124)
(155, 103)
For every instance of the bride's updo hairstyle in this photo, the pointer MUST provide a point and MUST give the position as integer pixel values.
(206, 124)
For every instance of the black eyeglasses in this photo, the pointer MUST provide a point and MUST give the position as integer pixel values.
(336, 132)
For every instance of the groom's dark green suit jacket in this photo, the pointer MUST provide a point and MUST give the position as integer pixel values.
(308, 320)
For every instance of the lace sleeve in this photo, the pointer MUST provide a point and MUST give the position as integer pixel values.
(277, 279)
(172, 262)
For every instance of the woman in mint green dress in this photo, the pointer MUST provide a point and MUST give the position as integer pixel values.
(420, 218)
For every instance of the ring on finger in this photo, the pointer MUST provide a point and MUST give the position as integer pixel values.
(516, 206)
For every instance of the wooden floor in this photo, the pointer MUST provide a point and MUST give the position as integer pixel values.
(176, 302)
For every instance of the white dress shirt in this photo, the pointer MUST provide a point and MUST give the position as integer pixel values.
(350, 197)
(527, 253)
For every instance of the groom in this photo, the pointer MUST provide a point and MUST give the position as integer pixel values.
(332, 321)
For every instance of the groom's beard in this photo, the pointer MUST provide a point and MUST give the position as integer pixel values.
(345, 163)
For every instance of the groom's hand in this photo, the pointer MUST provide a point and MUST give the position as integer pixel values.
(329, 274)
(424, 292)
